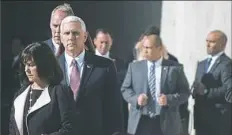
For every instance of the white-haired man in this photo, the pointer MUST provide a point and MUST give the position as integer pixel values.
(93, 82)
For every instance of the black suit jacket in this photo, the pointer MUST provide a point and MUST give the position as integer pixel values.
(52, 114)
(212, 111)
(99, 101)
(121, 67)
(50, 44)
(172, 57)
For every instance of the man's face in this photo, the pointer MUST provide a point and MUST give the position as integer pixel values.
(73, 38)
(55, 22)
(103, 42)
(150, 50)
(213, 43)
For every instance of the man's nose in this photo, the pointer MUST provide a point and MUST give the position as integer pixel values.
(71, 36)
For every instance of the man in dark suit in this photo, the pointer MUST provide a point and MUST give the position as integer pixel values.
(57, 15)
(103, 42)
(213, 80)
(155, 88)
(93, 81)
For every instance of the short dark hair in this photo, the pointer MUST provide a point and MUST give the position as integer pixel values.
(103, 30)
(47, 65)
(152, 30)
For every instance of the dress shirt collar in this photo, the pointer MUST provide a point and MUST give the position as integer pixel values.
(55, 45)
(107, 55)
(157, 62)
(215, 56)
(79, 59)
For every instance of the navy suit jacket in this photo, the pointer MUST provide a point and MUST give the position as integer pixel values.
(99, 101)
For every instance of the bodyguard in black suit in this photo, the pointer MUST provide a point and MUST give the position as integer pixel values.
(93, 81)
(103, 42)
(42, 106)
(211, 87)
(57, 15)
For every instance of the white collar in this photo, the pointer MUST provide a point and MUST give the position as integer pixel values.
(107, 55)
(215, 56)
(79, 59)
(55, 45)
(157, 63)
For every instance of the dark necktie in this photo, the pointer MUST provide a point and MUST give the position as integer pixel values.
(75, 78)
(207, 64)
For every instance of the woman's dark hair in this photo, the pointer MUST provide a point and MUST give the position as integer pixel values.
(47, 65)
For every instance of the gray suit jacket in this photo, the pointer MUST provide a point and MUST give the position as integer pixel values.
(173, 84)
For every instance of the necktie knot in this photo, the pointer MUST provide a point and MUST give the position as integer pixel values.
(209, 60)
(152, 66)
(74, 62)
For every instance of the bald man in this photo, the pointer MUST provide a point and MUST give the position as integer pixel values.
(155, 88)
(213, 83)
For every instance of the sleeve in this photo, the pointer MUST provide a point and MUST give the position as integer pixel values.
(12, 124)
(225, 90)
(127, 90)
(112, 103)
(12, 121)
(183, 92)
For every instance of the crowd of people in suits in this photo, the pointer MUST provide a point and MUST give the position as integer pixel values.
(68, 87)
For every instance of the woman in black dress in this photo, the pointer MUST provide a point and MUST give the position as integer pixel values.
(42, 106)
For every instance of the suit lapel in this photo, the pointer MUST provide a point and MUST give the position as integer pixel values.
(19, 104)
(143, 71)
(87, 70)
(43, 100)
(218, 60)
(164, 73)
(50, 44)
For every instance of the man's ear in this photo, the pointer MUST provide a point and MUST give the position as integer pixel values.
(95, 41)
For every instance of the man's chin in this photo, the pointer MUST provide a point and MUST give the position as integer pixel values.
(209, 52)
(103, 52)
(57, 41)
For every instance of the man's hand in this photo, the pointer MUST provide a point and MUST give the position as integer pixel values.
(142, 99)
(162, 100)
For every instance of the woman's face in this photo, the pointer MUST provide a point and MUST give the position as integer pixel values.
(31, 71)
